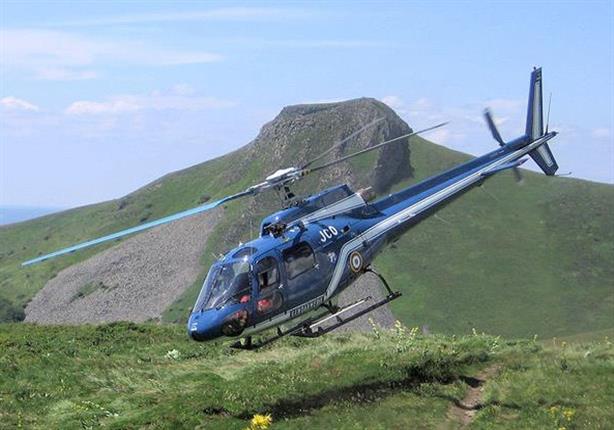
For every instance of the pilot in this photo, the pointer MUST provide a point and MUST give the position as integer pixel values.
(241, 285)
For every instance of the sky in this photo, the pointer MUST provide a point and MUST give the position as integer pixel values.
(99, 98)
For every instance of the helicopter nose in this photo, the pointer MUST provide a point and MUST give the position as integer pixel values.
(203, 326)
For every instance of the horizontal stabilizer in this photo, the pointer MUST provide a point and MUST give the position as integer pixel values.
(544, 159)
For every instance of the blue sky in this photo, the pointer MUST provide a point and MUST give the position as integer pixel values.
(99, 98)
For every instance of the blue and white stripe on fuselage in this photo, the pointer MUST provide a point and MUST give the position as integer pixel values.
(402, 213)
(425, 201)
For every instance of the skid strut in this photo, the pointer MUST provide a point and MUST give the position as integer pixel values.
(316, 330)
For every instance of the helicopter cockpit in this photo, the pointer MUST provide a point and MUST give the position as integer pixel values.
(240, 289)
(251, 284)
(227, 283)
(222, 307)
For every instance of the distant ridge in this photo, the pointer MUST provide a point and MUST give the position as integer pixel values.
(13, 214)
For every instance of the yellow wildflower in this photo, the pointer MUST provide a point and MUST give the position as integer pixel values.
(261, 422)
(553, 410)
(568, 414)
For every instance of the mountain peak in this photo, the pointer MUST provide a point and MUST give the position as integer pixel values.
(301, 132)
(358, 103)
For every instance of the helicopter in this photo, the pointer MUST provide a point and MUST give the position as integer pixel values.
(289, 278)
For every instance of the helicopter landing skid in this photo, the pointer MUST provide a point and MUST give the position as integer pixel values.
(312, 327)
(248, 344)
(315, 329)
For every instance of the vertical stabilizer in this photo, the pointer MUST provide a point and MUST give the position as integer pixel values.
(535, 125)
(535, 116)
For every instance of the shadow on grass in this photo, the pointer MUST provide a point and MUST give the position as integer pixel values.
(363, 393)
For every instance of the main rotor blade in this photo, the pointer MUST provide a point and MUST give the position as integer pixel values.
(167, 219)
(341, 142)
(372, 148)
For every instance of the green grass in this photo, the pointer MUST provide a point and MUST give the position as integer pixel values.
(126, 376)
(562, 387)
(585, 337)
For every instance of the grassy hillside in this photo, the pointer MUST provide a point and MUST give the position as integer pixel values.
(507, 259)
(511, 259)
(146, 376)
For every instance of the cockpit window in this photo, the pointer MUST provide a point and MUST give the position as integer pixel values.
(299, 259)
(225, 283)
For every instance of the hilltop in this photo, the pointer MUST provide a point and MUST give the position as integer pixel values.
(507, 259)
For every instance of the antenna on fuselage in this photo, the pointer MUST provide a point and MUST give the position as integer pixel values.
(548, 113)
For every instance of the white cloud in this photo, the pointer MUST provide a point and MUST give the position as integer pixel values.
(246, 14)
(505, 105)
(467, 130)
(179, 98)
(313, 43)
(13, 103)
(57, 55)
(65, 74)
(84, 107)
(394, 102)
(441, 136)
(601, 133)
(182, 89)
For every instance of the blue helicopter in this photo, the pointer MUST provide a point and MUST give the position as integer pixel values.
(317, 246)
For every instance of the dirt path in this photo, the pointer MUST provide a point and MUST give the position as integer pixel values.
(461, 414)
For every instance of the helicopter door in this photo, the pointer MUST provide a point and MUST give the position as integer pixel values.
(302, 272)
(269, 296)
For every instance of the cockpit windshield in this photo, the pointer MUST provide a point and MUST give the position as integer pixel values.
(225, 283)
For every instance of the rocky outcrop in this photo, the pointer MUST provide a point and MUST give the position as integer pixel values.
(300, 133)
(135, 280)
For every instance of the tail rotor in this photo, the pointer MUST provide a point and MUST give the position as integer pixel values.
(497, 136)
(493, 128)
